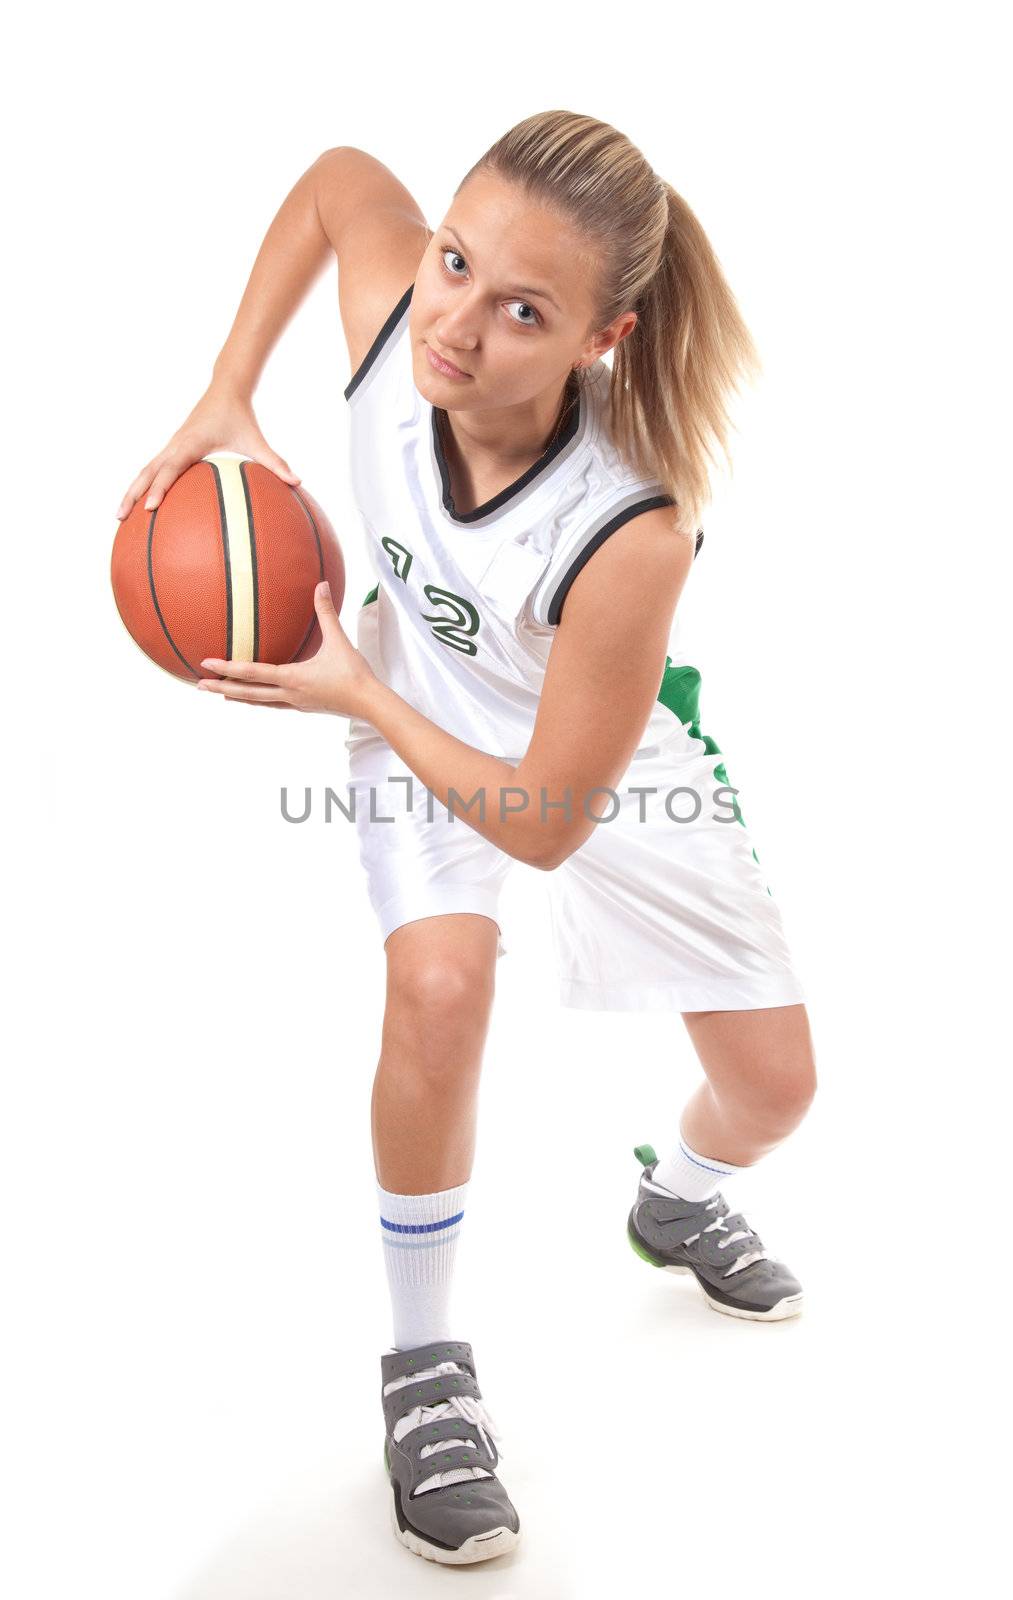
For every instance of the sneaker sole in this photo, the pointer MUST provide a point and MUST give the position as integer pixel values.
(790, 1306)
(480, 1547)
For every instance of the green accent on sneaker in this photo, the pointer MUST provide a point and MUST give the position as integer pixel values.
(645, 1153)
(640, 1251)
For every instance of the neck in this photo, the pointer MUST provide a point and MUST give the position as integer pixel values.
(502, 439)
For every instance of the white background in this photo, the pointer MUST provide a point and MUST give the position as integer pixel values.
(195, 1296)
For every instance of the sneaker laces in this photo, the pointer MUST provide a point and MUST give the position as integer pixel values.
(462, 1405)
(721, 1223)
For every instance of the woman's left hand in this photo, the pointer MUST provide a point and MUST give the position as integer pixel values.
(336, 679)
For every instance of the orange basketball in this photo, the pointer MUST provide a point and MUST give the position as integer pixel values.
(226, 566)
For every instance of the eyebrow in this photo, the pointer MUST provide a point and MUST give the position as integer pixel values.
(538, 294)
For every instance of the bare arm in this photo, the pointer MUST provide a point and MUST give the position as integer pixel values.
(348, 205)
(297, 248)
(603, 675)
(298, 245)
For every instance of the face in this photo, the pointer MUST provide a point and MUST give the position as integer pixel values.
(504, 292)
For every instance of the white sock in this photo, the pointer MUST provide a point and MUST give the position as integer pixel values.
(690, 1175)
(420, 1233)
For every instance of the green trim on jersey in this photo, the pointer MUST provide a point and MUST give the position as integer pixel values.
(371, 595)
(680, 692)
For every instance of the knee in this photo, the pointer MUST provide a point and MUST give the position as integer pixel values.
(441, 996)
(798, 1088)
(791, 1088)
(779, 1096)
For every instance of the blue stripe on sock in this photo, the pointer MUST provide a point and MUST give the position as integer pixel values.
(724, 1171)
(420, 1227)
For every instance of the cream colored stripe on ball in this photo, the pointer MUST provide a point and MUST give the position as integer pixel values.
(240, 555)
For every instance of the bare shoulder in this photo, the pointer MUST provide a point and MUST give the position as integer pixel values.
(641, 567)
(379, 236)
(654, 534)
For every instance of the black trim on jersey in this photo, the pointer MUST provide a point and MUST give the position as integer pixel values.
(580, 560)
(549, 455)
(380, 340)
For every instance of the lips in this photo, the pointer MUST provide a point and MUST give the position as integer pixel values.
(441, 364)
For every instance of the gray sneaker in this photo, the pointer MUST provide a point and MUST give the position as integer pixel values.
(737, 1275)
(436, 1418)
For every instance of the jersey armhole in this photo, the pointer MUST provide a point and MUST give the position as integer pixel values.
(380, 343)
(547, 602)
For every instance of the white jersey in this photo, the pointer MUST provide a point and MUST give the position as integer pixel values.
(664, 906)
(465, 607)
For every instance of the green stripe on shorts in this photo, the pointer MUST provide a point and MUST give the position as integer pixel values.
(680, 692)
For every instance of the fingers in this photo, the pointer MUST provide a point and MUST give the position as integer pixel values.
(262, 672)
(161, 473)
(137, 488)
(252, 693)
(163, 480)
(221, 417)
(152, 481)
(258, 682)
(280, 468)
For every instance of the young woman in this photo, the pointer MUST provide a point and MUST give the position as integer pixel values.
(531, 518)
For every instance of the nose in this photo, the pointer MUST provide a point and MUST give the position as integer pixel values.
(456, 326)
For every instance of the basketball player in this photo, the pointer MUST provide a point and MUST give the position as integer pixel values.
(518, 693)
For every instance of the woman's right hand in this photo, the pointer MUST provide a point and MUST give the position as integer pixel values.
(222, 419)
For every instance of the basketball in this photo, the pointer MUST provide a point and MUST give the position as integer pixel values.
(225, 567)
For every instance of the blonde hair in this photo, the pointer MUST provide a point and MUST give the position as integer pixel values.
(673, 374)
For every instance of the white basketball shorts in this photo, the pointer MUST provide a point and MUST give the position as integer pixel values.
(663, 907)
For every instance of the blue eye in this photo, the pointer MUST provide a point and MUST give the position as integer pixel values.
(534, 313)
(448, 250)
(525, 322)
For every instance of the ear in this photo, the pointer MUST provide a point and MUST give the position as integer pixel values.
(616, 332)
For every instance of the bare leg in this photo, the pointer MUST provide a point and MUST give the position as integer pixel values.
(440, 987)
(761, 1078)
